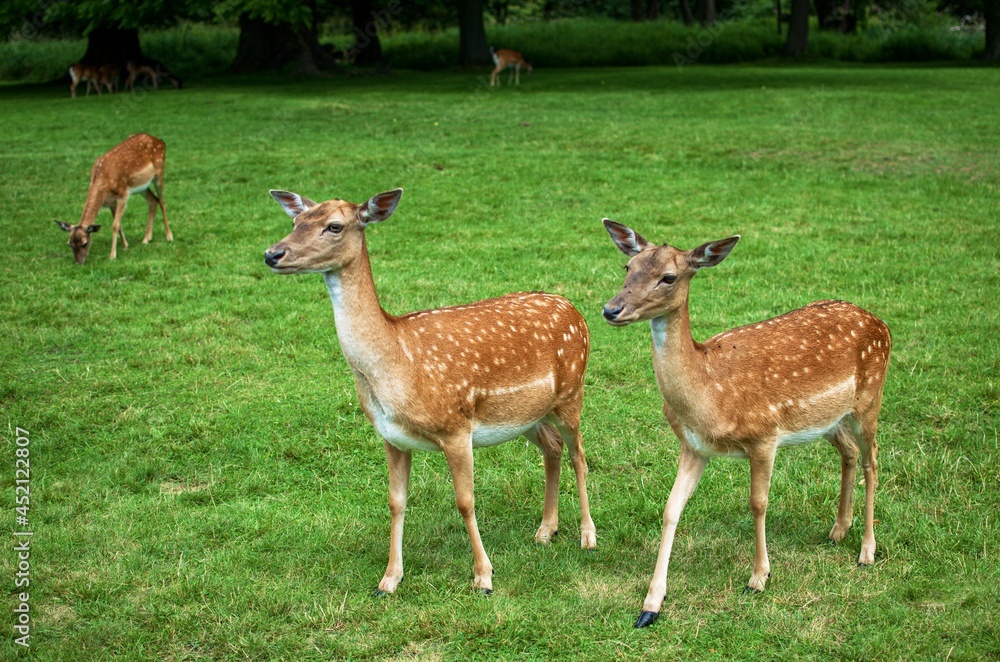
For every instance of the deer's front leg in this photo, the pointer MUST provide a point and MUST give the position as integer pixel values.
(458, 452)
(116, 228)
(689, 470)
(761, 464)
(399, 482)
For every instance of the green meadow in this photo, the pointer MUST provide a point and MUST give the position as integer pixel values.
(204, 485)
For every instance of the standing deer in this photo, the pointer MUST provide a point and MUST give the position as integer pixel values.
(80, 73)
(504, 58)
(132, 166)
(814, 372)
(450, 379)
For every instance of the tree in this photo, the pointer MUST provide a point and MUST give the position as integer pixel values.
(992, 11)
(797, 42)
(275, 34)
(708, 13)
(686, 13)
(472, 46)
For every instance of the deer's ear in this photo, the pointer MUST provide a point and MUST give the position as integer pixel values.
(64, 226)
(628, 240)
(293, 203)
(710, 254)
(381, 206)
(93, 228)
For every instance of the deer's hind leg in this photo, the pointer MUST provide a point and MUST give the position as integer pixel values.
(843, 440)
(550, 443)
(568, 423)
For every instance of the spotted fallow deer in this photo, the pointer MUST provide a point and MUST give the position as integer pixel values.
(814, 372)
(84, 73)
(450, 379)
(505, 58)
(132, 166)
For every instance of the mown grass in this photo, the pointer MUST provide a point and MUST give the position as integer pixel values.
(204, 484)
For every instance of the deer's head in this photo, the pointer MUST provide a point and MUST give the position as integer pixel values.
(79, 239)
(657, 277)
(326, 236)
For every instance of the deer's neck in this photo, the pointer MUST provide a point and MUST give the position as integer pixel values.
(91, 207)
(364, 330)
(678, 362)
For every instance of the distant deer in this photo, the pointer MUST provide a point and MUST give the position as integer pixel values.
(153, 70)
(108, 75)
(449, 379)
(133, 166)
(505, 58)
(84, 73)
(814, 372)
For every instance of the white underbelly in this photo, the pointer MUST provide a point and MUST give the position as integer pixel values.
(491, 435)
(140, 188)
(482, 435)
(703, 448)
(803, 436)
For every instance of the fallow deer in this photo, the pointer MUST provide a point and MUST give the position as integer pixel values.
(132, 166)
(449, 379)
(80, 73)
(153, 70)
(814, 372)
(108, 75)
(505, 58)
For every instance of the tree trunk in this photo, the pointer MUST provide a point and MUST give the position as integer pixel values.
(708, 13)
(112, 46)
(824, 14)
(636, 10)
(652, 9)
(777, 11)
(992, 10)
(686, 14)
(798, 29)
(472, 46)
(367, 48)
(264, 45)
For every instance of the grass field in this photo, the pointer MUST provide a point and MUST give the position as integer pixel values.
(205, 486)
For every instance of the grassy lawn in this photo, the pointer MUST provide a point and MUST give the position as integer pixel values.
(204, 484)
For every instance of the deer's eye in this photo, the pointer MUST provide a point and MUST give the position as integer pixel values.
(668, 279)
(333, 228)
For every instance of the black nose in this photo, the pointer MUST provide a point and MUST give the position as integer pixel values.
(271, 259)
(611, 314)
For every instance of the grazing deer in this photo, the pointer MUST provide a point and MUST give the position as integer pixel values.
(151, 68)
(814, 372)
(504, 58)
(132, 166)
(450, 379)
(108, 76)
(79, 73)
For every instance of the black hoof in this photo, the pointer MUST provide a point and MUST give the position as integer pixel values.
(751, 591)
(592, 551)
(831, 542)
(379, 593)
(486, 591)
(863, 565)
(646, 619)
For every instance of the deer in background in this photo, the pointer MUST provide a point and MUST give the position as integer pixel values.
(814, 372)
(80, 73)
(449, 379)
(108, 76)
(153, 70)
(505, 58)
(133, 166)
